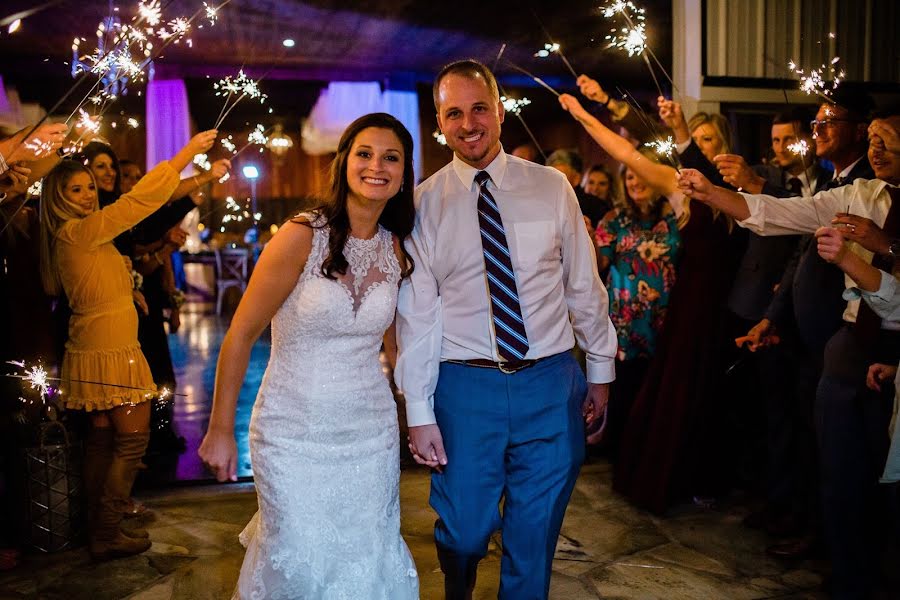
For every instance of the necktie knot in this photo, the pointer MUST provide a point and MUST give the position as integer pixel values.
(482, 177)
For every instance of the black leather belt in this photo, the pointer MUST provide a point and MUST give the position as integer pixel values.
(509, 367)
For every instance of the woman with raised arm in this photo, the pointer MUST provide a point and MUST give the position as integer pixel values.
(668, 435)
(324, 440)
(78, 258)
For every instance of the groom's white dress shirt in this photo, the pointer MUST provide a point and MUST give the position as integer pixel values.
(444, 310)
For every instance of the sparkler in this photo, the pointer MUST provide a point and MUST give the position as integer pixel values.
(513, 105)
(229, 86)
(666, 148)
(815, 81)
(228, 144)
(440, 137)
(553, 48)
(38, 379)
(257, 136)
(800, 148)
(536, 79)
(36, 188)
(518, 113)
(633, 39)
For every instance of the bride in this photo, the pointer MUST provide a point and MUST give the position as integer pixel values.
(324, 440)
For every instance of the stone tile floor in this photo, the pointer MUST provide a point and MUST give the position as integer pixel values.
(607, 549)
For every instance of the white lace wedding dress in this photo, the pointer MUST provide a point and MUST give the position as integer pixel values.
(324, 441)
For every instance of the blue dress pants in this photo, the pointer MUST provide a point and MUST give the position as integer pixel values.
(518, 438)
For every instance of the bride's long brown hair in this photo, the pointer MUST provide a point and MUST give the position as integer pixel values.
(398, 215)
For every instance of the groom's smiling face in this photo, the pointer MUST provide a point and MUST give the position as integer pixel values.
(470, 117)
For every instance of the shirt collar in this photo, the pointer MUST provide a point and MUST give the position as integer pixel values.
(466, 172)
(846, 171)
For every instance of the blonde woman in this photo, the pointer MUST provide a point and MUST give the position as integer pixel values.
(666, 438)
(79, 259)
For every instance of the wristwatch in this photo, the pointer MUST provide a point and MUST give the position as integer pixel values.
(894, 248)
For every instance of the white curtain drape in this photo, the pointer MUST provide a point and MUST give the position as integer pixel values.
(342, 102)
(168, 120)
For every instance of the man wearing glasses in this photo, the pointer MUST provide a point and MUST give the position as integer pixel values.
(840, 134)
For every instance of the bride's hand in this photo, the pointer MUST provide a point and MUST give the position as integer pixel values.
(219, 453)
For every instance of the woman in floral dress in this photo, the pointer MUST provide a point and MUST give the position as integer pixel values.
(638, 243)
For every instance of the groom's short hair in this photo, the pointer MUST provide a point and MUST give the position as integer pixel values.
(469, 68)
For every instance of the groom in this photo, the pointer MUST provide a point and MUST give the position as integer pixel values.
(505, 282)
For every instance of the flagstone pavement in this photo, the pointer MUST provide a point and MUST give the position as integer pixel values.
(607, 550)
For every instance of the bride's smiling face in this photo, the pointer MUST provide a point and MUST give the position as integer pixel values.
(375, 165)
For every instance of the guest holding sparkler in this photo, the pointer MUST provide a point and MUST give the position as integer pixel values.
(663, 452)
(78, 259)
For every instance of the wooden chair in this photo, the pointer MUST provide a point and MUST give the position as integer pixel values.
(232, 265)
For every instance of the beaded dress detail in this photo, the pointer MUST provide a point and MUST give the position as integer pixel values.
(324, 440)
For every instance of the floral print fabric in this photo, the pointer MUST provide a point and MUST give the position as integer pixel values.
(642, 257)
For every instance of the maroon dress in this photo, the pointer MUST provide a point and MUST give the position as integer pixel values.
(669, 437)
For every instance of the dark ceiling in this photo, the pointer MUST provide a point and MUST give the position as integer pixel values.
(398, 42)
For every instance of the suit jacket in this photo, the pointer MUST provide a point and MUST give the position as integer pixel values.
(810, 295)
(764, 258)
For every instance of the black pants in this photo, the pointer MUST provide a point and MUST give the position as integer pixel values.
(852, 427)
(790, 375)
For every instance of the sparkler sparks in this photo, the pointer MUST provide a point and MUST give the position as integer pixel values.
(133, 123)
(822, 81)
(150, 12)
(257, 136)
(513, 105)
(231, 86)
(667, 149)
(202, 161)
(212, 13)
(631, 39)
(547, 50)
(38, 147)
(229, 145)
(87, 122)
(36, 188)
(440, 137)
(36, 377)
(800, 148)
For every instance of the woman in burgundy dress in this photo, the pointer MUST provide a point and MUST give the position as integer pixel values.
(669, 445)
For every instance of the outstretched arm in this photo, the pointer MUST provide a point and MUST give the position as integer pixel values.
(661, 178)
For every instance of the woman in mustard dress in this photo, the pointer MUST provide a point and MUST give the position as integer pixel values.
(79, 259)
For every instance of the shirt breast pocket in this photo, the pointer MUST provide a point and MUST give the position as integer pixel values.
(535, 241)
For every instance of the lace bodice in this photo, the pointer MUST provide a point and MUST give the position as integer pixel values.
(324, 440)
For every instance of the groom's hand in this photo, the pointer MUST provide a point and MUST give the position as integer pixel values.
(595, 411)
(427, 446)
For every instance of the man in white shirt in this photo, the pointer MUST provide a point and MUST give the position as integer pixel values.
(505, 282)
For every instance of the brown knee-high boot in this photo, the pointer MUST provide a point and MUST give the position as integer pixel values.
(98, 452)
(107, 541)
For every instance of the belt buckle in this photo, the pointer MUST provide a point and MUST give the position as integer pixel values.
(505, 369)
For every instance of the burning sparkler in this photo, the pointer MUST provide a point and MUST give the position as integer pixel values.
(815, 81)
(513, 105)
(228, 87)
(439, 137)
(800, 148)
(667, 149)
(37, 378)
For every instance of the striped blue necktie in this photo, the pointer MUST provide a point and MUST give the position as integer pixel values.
(509, 327)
